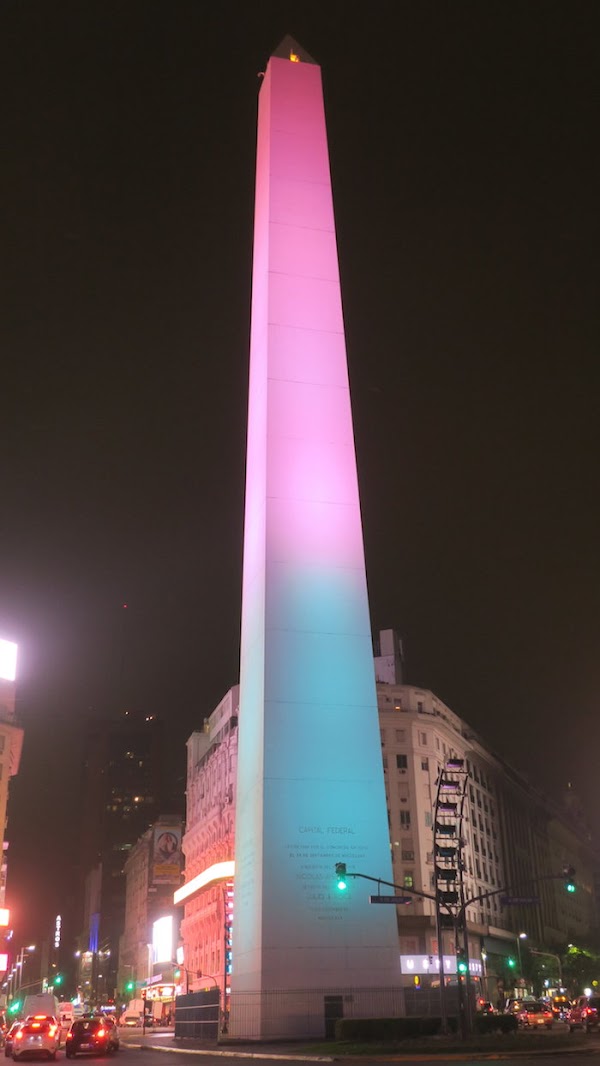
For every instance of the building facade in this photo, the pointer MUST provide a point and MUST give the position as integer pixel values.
(208, 846)
(124, 789)
(148, 899)
(11, 746)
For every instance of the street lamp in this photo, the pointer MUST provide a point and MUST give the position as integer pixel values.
(520, 937)
(20, 964)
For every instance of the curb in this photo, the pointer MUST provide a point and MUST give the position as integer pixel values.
(232, 1054)
(424, 1056)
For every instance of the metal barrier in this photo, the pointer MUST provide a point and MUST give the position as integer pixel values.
(307, 1013)
(197, 1015)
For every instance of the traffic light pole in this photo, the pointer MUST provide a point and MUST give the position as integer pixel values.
(460, 916)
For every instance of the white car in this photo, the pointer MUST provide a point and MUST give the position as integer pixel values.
(37, 1035)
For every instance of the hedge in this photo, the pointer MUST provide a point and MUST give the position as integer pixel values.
(357, 1030)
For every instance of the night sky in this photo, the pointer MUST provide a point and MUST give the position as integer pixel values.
(464, 153)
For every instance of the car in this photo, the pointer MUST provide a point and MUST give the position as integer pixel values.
(535, 1014)
(485, 1007)
(8, 1039)
(95, 1035)
(38, 1035)
(585, 1013)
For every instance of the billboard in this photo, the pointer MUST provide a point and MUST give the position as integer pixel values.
(166, 858)
(8, 660)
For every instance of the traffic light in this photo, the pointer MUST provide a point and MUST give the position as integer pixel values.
(14, 1007)
(462, 963)
(510, 962)
(569, 876)
(340, 873)
(129, 987)
(57, 979)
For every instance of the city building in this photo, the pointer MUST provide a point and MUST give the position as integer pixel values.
(516, 841)
(11, 745)
(208, 846)
(124, 790)
(152, 872)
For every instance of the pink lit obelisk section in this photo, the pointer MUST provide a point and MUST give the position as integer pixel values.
(310, 777)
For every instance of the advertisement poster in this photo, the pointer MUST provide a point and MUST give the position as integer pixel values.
(166, 864)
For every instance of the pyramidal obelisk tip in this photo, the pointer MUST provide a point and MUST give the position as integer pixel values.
(288, 48)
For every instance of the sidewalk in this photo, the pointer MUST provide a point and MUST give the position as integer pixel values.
(163, 1040)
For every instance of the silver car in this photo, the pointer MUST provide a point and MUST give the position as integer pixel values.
(39, 1035)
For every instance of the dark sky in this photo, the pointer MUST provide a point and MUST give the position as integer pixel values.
(464, 152)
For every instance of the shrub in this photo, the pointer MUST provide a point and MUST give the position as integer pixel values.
(387, 1029)
(495, 1023)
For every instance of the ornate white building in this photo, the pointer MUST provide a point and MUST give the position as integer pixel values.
(208, 845)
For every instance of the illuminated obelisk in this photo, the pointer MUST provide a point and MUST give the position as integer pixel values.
(310, 776)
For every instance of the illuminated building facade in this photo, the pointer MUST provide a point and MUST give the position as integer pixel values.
(513, 834)
(208, 845)
(149, 887)
(11, 745)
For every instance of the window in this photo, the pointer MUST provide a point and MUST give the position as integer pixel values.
(409, 880)
(422, 738)
(477, 868)
(405, 819)
(403, 791)
(420, 706)
(385, 762)
(383, 738)
(428, 819)
(401, 735)
(408, 856)
(425, 764)
(401, 762)
(2, 742)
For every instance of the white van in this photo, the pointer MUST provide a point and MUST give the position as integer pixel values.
(66, 1017)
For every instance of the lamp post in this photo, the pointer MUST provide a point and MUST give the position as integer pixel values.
(20, 964)
(520, 937)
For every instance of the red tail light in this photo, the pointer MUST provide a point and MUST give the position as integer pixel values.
(101, 1032)
(18, 1035)
(69, 1036)
(52, 1030)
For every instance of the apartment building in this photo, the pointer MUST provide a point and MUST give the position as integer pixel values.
(208, 845)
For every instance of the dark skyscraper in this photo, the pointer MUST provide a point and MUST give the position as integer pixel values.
(125, 788)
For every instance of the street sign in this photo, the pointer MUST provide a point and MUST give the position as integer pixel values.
(398, 900)
(519, 901)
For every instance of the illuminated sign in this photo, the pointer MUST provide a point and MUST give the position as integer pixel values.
(220, 871)
(421, 964)
(4, 916)
(8, 660)
(162, 939)
(57, 928)
(3, 963)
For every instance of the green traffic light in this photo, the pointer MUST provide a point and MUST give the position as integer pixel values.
(570, 887)
(14, 1007)
(511, 963)
(129, 987)
(340, 870)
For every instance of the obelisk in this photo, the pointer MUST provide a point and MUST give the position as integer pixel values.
(310, 776)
